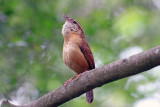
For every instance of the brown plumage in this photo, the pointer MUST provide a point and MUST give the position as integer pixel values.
(77, 54)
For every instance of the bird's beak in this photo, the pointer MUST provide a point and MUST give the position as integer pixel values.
(66, 17)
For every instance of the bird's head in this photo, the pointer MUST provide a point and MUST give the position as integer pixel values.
(71, 27)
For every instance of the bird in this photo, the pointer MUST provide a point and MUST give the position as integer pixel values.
(77, 54)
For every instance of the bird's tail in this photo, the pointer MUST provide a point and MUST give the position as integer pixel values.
(89, 96)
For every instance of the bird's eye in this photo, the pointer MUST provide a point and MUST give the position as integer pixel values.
(74, 22)
(72, 29)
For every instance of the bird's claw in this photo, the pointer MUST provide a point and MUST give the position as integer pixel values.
(79, 76)
(76, 76)
(65, 83)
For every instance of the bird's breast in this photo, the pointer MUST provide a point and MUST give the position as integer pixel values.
(74, 58)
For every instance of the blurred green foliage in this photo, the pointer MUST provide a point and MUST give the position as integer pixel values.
(31, 46)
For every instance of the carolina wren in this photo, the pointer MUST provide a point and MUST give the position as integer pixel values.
(77, 54)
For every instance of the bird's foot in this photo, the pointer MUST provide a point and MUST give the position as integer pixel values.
(80, 75)
(76, 76)
(65, 83)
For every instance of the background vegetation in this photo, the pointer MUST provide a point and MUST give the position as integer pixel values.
(31, 45)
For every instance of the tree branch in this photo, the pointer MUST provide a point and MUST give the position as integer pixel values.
(97, 77)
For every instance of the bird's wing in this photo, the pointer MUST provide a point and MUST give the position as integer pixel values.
(85, 49)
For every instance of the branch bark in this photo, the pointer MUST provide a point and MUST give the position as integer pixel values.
(97, 77)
